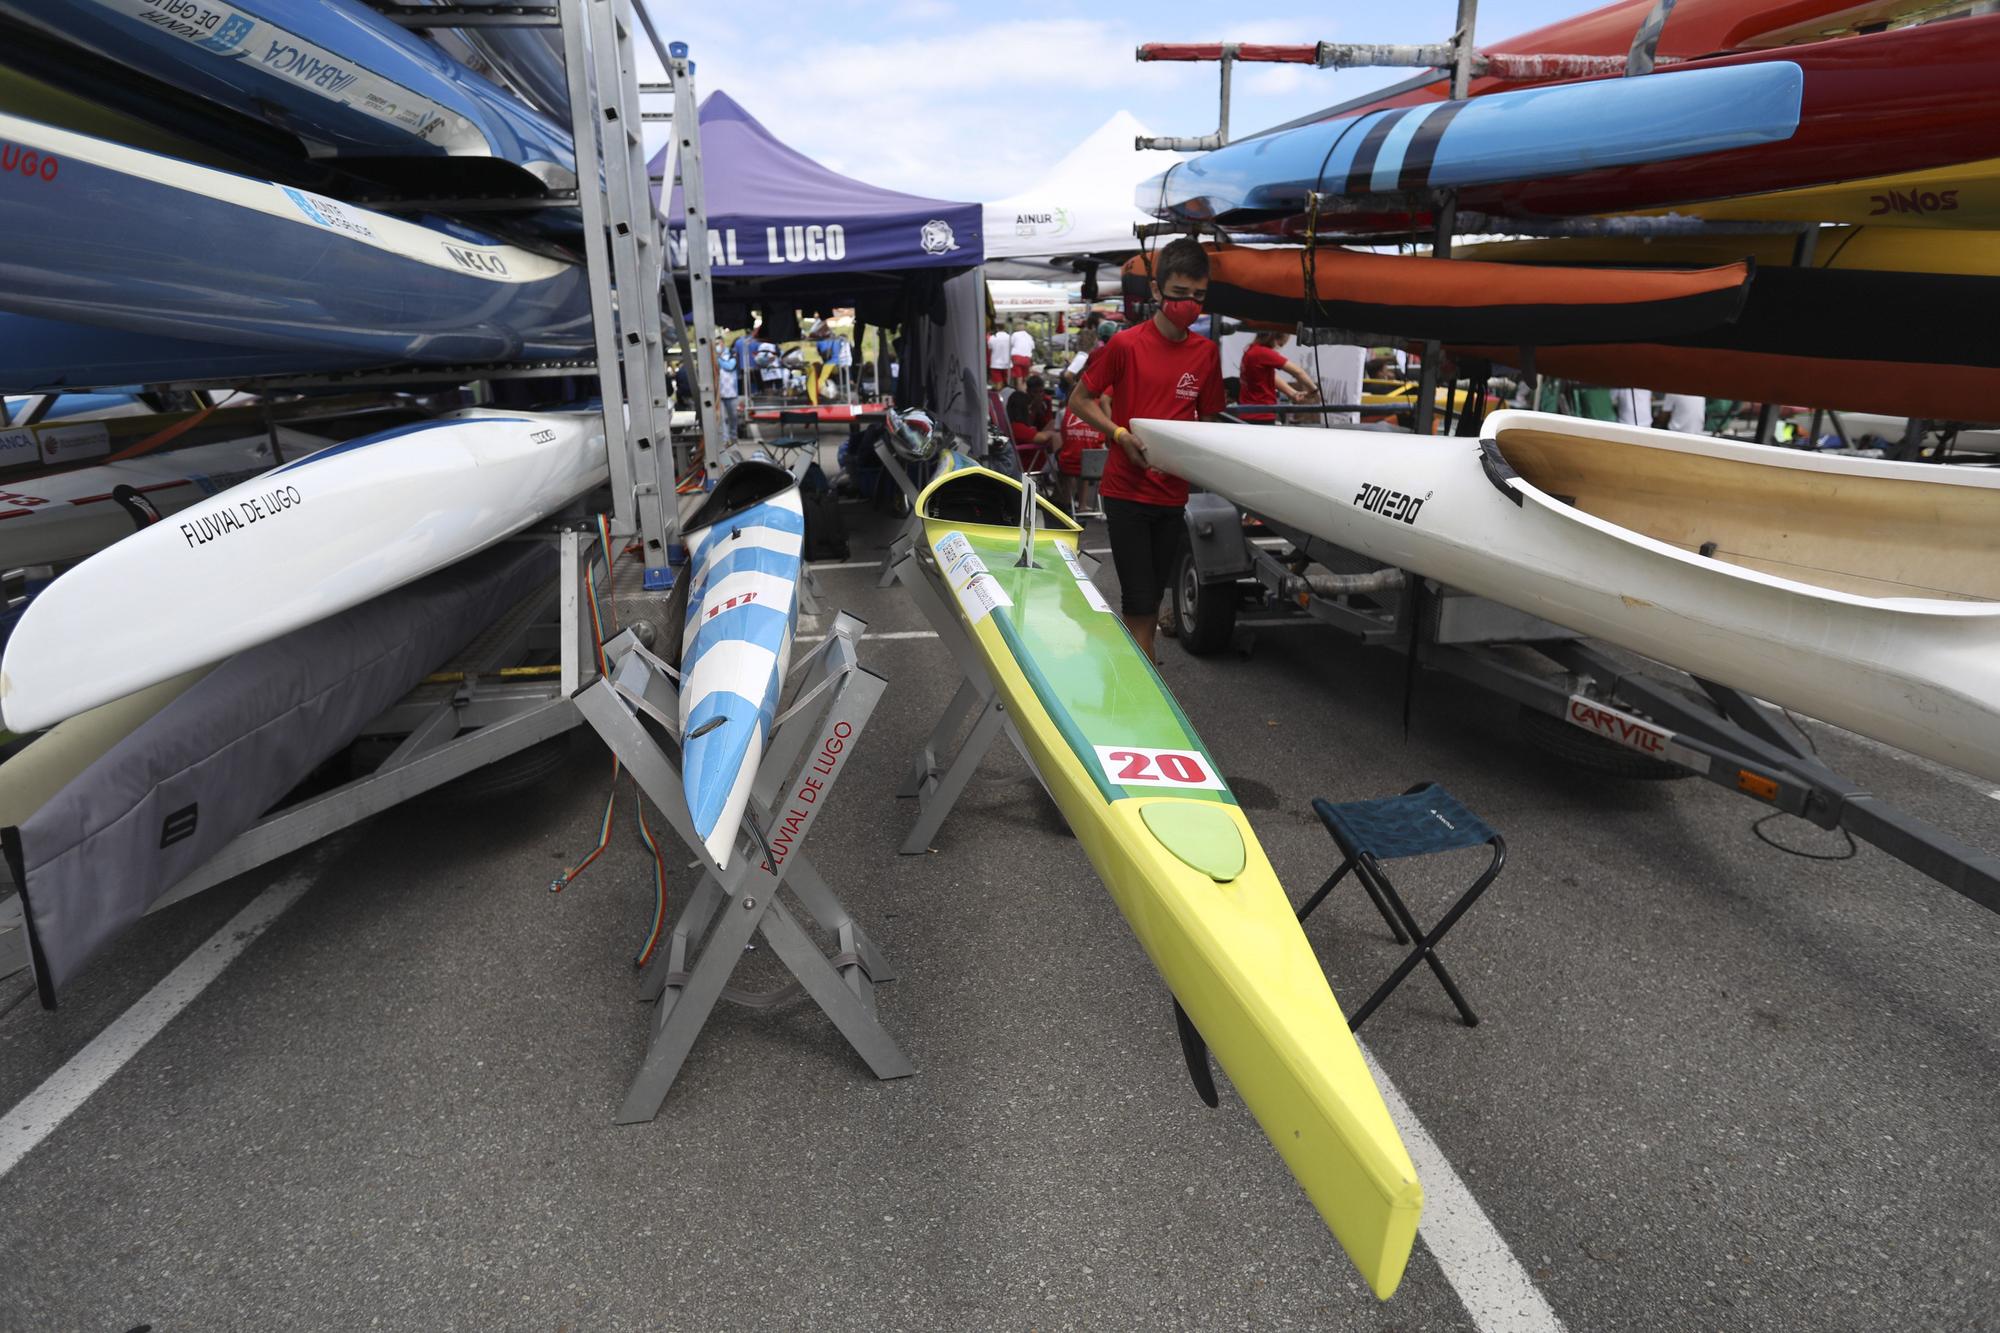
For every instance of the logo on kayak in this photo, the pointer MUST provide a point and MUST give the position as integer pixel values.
(1913, 201)
(543, 437)
(1390, 504)
(205, 528)
(477, 261)
(936, 237)
(16, 160)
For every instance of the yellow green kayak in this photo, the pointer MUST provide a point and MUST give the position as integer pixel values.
(1160, 826)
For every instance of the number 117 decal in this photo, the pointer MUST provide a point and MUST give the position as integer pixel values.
(1135, 766)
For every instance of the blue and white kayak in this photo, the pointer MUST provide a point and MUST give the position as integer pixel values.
(745, 544)
(99, 233)
(1528, 134)
(302, 542)
(345, 81)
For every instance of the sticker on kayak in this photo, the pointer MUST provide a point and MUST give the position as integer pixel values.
(1137, 766)
(232, 35)
(978, 591)
(18, 448)
(73, 444)
(1082, 577)
(329, 214)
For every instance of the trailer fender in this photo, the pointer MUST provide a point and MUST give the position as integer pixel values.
(1215, 536)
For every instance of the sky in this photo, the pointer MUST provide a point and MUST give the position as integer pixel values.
(970, 101)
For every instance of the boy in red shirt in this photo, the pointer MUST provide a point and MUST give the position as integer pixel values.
(1157, 369)
(1263, 361)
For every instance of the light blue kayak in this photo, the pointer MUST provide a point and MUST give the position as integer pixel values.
(745, 546)
(344, 80)
(1527, 134)
(101, 234)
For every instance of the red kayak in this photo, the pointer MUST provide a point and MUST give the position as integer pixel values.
(1461, 300)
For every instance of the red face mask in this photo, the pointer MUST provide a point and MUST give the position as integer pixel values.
(1181, 313)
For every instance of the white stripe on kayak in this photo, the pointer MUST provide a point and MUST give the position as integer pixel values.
(759, 538)
(42, 1111)
(1491, 1283)
(733, 666)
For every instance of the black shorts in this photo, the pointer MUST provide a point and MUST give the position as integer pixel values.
(1145, 547)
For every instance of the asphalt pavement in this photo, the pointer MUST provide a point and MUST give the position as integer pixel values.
(1716, 1085)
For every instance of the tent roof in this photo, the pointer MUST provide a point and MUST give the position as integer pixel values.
(781, 205)
(1083, 203)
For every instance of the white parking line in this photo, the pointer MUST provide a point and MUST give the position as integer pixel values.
(39, 1114)
(1491, 1283)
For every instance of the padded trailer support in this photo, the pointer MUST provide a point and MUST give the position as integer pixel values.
(808, 751)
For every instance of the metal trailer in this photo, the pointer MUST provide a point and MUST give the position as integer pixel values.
(1613, 714)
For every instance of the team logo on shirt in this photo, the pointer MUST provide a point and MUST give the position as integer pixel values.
(937, 238)
(1189, 386)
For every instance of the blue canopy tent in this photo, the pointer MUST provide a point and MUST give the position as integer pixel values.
(786, 231)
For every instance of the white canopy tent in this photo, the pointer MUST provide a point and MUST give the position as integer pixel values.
(1083, 206)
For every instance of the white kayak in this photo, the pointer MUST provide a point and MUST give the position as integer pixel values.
(302, 542)
(64, 516)
(1865, 593)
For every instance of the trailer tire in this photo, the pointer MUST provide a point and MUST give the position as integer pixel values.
(1206, 612)
(1573, 745)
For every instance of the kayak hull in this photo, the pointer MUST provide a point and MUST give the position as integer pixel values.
(1129, 773)
(1513, 136)
(1860, 592)
(302, 542)
(83, 228)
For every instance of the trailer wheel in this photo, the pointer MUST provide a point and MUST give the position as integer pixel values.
(1573, 745)
(1206, 611)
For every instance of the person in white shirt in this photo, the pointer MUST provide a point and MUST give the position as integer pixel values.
(1023, 349)
(725, 385)
(998, 350)
(1634, 406)
(1086, 343)
(1687, 412)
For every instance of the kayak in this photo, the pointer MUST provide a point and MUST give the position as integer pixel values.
(823, 411)
(347, 82)
(1861, 592)
(299, 543)
(66, 516)
(745, 545)
(1964, 194)
(1154, 815)
(1894, 248)
(251, 262)
(56, 355)
(1457, 300)
(1525, 135)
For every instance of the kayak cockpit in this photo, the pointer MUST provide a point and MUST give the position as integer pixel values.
(977, 496)
(1847, 531)
(745, 486)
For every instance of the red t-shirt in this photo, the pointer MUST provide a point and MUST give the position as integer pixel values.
(1077, 435)
(1260, 378)
(1149, 375)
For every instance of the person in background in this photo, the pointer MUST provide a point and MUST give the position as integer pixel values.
(1086, 341)
(998, 357)
(1072, 491)
(1634, 406)
(725, 389)
(1155, 369)
(1687, 412)
(1022, 351)
(1028, 421)
(1263, 361)
(746, 360)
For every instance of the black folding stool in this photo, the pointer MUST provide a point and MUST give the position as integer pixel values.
(1423, 820)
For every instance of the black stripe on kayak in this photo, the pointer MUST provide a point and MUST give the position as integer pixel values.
(1422, 152)
(1503, 325)
(1861, 315)
(1363, 168)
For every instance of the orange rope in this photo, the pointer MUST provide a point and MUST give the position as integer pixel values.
(168, 434)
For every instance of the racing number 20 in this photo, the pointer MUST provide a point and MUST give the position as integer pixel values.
(1166, 768)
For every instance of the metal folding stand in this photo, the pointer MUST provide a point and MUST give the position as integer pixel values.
(808, 751)
(933, 781)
